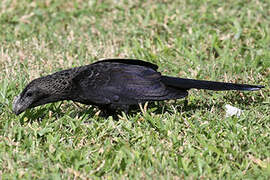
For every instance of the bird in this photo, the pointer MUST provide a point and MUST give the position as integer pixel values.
(113, 85)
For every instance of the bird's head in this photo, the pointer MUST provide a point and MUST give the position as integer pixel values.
(41, 91)
(31, 96)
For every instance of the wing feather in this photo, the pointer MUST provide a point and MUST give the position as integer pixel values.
(120, 83)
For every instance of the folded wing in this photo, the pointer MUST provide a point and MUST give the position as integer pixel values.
(121, 83)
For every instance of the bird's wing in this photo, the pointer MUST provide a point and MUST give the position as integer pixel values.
(130, 62)
(121, 83)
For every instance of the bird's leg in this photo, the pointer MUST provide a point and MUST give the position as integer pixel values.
(106, 111)
(111, 110)
(123, 108)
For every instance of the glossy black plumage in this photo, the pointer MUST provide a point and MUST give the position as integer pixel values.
(113, 84)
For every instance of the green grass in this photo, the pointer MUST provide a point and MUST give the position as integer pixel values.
(213, 40)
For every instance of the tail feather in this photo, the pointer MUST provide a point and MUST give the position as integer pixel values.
(183, 83)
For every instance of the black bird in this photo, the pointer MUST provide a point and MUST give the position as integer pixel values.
(113, 84)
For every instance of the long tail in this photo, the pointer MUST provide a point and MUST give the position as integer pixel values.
(183, 83)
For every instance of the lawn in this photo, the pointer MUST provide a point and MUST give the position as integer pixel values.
(212, 40)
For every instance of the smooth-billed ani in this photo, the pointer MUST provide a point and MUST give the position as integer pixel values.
(113, 84)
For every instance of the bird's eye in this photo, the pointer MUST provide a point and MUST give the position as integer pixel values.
(29, 94)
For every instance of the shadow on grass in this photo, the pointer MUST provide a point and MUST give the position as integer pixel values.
(56, 111)
(244, 100)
